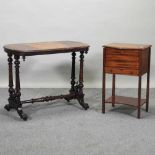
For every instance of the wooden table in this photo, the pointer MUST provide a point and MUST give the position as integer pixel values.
(42, 48)
(126, 59)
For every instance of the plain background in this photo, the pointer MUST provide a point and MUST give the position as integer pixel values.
(96, 22)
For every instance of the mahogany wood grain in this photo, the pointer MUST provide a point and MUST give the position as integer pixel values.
(121, 70)
(126, 100)
(126, 59)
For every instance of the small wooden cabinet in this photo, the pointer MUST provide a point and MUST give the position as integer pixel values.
(126, 59)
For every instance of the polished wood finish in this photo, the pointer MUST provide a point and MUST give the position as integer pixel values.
(18, 104)
(103, 84)
(148, 82)
(41, 48)
(122, 61)
(126, 59)
(18, 50)
(11, 90)
(113, 89)
(139, 96)
(81, 70)
(126, 101)
(80, 96)
(73, 72)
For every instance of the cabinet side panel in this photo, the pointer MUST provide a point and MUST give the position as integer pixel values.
(145, 61)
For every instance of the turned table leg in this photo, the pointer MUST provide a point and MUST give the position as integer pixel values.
(139, 97)
(11, 89)
(73, 73)
(81, 72)
(17, 89)
(72, 90)
(113, 89)
(80, 95)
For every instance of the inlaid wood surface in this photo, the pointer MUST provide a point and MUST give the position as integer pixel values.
(40, 48)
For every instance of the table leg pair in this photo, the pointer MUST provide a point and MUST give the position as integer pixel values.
(76, 91)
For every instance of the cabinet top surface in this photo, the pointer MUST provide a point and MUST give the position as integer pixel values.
(45, 47)
(127, 46)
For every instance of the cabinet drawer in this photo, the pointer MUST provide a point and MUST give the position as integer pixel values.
(122, 58)
(131, 53)
(119, 70)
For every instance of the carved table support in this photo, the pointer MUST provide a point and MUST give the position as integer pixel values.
(14, 94)
(11, 89)
(79, 87)
(73, 73)
(23, 50)
(76, 91)
(18, 105)
(49, 98)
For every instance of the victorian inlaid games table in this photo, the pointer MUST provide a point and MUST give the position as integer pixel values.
(31, 49)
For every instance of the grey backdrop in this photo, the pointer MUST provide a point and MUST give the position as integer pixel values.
(95, 22)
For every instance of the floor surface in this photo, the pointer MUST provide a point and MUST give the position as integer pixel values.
(61, 128)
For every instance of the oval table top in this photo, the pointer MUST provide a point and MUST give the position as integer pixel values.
(41, 48)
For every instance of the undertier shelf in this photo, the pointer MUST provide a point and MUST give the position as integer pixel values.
(126, 100)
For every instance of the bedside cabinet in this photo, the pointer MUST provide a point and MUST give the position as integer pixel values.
(126, 59)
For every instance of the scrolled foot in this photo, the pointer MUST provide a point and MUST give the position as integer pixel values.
(22, 115)
(7, 107)
(85, 106)
(67, 99)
